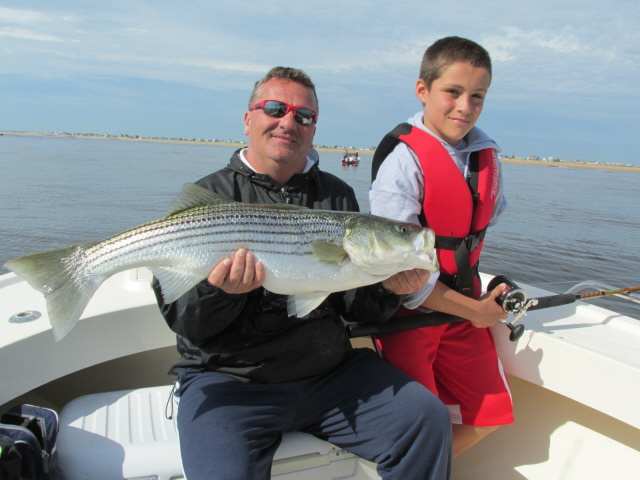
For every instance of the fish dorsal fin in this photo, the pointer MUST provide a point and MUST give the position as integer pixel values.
(327, 252)
(282, 206)
(193, 195)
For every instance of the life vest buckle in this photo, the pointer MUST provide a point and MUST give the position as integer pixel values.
(473, 241)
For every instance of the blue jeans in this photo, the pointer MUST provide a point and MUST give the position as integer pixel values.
(230, 429)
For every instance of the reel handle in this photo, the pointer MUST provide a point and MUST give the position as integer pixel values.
(516, 331)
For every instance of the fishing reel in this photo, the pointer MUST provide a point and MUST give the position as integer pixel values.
(514, 300)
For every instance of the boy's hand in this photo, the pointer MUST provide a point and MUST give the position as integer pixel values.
(406, 282)
(489, 312)
(239, 275)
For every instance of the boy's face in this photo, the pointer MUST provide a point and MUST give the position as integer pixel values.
(454, 102)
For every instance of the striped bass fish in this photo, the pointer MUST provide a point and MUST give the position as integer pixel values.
(307, 254)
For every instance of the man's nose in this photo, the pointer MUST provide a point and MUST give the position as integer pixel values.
(289, 120)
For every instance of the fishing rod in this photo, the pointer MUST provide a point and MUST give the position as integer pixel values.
(516, 301)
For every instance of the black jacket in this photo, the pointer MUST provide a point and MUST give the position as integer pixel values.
(250, 336)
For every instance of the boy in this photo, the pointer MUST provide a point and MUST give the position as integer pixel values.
(443, 172)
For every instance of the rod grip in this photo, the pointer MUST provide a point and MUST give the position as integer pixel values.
(399, 324)
(554, 301)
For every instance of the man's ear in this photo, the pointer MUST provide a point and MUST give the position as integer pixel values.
(247, 120)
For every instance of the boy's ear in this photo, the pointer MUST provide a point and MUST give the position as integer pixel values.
(421, 90)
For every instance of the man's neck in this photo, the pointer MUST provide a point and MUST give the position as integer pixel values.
(280, 172)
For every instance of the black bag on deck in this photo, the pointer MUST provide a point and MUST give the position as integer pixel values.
(28, 438)
(10, 460)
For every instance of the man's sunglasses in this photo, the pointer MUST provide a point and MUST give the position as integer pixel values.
(277, 109)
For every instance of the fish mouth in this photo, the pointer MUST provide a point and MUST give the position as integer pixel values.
(431, 262)
(428, 256)
(428, 261)
(429, 240)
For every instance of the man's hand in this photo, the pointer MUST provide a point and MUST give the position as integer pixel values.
(406, 282)
(238, 275)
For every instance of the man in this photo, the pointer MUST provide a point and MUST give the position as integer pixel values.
(249, 372)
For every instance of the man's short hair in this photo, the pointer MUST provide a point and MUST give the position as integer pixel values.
(284, 73)
(450, 50)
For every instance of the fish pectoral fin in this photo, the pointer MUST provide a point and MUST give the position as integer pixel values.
(327, 252)
(193, 195)
(303, 304)
(174, 283)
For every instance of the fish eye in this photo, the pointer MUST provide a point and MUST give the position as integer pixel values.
(403, 229)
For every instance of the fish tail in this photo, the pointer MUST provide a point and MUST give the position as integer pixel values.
(62, 277)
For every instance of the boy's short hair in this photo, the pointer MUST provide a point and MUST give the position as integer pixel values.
(450, 50)
(284, 73)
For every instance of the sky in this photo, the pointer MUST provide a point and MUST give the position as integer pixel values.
(565, 73)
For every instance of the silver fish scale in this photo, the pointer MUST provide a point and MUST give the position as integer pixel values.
(199, 234)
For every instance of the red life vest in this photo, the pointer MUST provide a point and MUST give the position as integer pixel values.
(458, 211)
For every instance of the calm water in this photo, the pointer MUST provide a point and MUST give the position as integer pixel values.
(562, 226)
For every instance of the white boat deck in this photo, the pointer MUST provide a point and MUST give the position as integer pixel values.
(102, 334)
(575, 376)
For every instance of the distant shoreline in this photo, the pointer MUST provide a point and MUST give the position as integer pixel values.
(164, 140)
(590, 166)
(517, 161)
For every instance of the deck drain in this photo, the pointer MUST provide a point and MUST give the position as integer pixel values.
(23, 317)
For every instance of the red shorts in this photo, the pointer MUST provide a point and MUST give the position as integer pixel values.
(459, 363)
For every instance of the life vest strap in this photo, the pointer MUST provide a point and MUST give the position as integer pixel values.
(386, 146)
(453, 243)
(462, 282)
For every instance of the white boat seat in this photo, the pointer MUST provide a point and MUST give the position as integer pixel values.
(126, 435)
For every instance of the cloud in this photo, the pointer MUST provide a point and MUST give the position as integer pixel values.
(514, 43)
(27, 35)
(15, 22)
(21, 16)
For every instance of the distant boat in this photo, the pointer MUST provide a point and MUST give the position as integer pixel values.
(351, 159)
